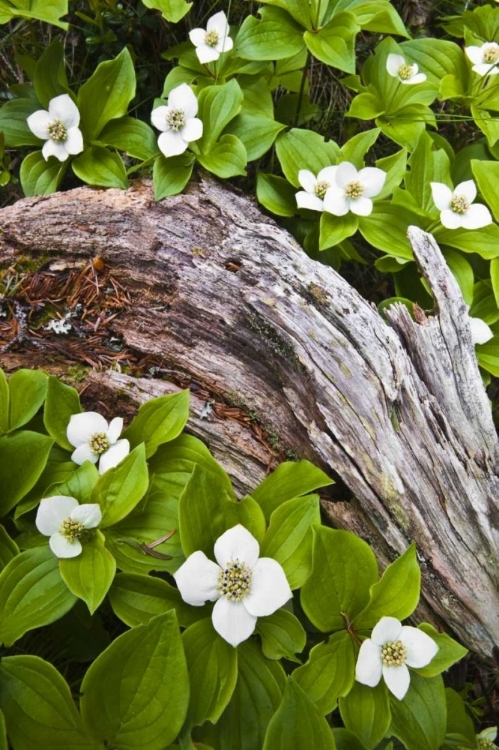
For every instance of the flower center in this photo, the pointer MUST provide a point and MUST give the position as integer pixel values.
(321, 188)
(491, 54)
(211, 38)
(405, 72)
(57, 131)
(72, 529)
(99, 443)
(354, 190)
(459, 204)
(393, 654)
(176, 119)
(234, 582)
(485, 744)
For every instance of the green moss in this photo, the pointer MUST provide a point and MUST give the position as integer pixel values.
(275, 341)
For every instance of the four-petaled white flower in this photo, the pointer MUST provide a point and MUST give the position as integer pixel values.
(352, 190)
(485, 59)
(178, 121)
(392, 648)
(243, 585)
(65, 521)
(314, 188)
(397, 67)
(58, 128)
(456, 209)
(210, 43)
(96, 440)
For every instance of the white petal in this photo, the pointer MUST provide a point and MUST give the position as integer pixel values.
(114, 430)
(84, 453)
(218, 22)
(476, 217)
(197, 36)
(192, 130)
(89, 514)
(37, 123)
(468, 189)
(475, 54)
(345, 173)
(74, 141)
(387, 629)
(327, 174)
(361, 206)
(224, 45)
(307, 180)
(207, 54)
(183, 97)
(232, 621)
(114, 455)
(450, 219)
(171, 143)
(62, 547)
(335, 202)
(397, 680)
(158, 117)
(441, 194)
(420, 647)
(418, 78)
(480, 332)
(369, 664)
(64, 109)
(197, 580)
(52, 148)
(236, 544)
(486, 69)
(269, 589)
(52, 511)
(308, 200)
(82, 427)
(393, 63)
(372, 180)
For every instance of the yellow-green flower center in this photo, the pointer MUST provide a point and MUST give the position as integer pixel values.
(459, 204)
(405, 72)
(321, 188)
(234, 582)
(72, 529)
(57, 131)
(176, 119)
(491, 54)
(354, 190)
(485, 744)
(394, 654)
(211, 38)
(99, 443)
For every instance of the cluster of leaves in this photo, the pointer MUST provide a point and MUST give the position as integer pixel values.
(169, 679)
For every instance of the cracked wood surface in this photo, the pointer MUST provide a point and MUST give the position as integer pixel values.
(398, 412)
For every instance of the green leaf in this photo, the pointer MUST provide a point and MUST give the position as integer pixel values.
(419, 721)
(158, 421)
(48, 11)
(282, 635)
(24, 455)
(366, 106)
(4, 743)
(257, 97)
(170, 176)
(458, 720)
(13, 122)
(39, 707)
(303, 149)
(27, 390)
(171, 10)
(100, 167)
(49, 78)
(494, 277)
(366, 712)
(386, 229)
(89, 575)
(79, 484)
(378, 15)
(427, 165)
(484, 242)
(212, 667)
(297, 9)
(289, 537)
(329, 672)
(256, 133)
(395, 167)
(4, 403)
(275, 37)
(344, 567)
(227, 158)
(61, 403)
(8, 548)
(136, 599)
(291, 479)
(218, 105)
(486, 174)
(40, 177)
(437, 57)
(335, 229)
(107, 94)
(32, 593)
(121, 488)
(449, 652)
(136, 693)
(276, 194)
(463, 272)
(346, 740)
(298, 724)
(135, 137)
(396, 594)
(334, 44)
(357, 147)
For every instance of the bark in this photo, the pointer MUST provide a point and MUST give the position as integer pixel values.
(283, 356)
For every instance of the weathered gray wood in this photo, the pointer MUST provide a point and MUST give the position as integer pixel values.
(398, 412)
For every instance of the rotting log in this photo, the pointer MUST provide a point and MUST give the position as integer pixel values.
(223, 300)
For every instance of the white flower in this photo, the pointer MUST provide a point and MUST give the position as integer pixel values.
(64, 520)
(94, 439)
(485, 59)
(485, 740)
(391, 648)
(352, 190)
(211, 43)
(314, 188)
(243, 585)
(178, 121)
(456, 209)
(480, 332)
(58, 128)
(397, 67)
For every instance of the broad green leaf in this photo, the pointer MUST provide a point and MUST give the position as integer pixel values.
(486, 174)
(61, 403)
(27, 390)
(334, 44)
(335, 229)
(346, 740)
(134, 137)
(212, 667)
(459, 721)
(344, 568)
(256, 133)
(386, 228)
(357, 147)
(58, 469)
(159, 421)
(170, 176)
(8, 548)
(121, 488)
(48, 11)
(282, 635)
(4, 403)
(396, 594)
(79, 484)
(136, 693)
(303, 149)
(276, 194)
(218, 105)
(419, 721)
(136, 599)
(226, 158)
(395, 167)
(4, 743)
(299, 10)
(171, 10)
(39, 708)
(484, 241)
(274, 37)
(329, 672)
(298, 724)
(378, 15)
(449, 652)
(406, 125)
(49, 77)
(89, 575)
(494, 277)
(100, 167)
(40, 177)
(463, 272)
(13, 121)
(257, 100)
(291, 479)
(366, 712)
(32, 593)
(366, 106)
(427, 165)
(24, 455)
